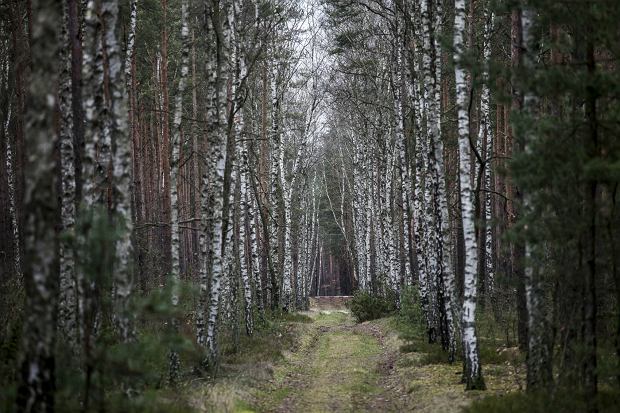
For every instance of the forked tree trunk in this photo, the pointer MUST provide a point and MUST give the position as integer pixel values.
(218, 21)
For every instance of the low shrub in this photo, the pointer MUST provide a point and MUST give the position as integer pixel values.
(560, 401)
(410, 307)
(365, 306)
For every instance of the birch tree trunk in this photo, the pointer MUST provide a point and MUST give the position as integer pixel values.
(358, 218)
(92, 74)
(473, 370)
(177, 144)
(36, 382)
(439, 266)
(420, 226)
(11, 178)
(244, 226)
(218, 20)
(95, 163)
(287, 274)
(67, 305)
(485, 135)
(122, 169)
(253, 231)
(406, 191)
(241, 148)
(275, 195)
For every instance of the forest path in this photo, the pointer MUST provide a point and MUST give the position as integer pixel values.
(323, 361)
(339, 366)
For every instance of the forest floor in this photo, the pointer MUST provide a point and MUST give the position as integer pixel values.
(323, 361)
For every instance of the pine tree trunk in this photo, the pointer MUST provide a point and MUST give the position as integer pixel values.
(517, 248)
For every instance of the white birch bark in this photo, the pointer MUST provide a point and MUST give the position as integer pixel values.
(94, 163)
(10, 172)
(240, 75)
(473, 371)
(440, 267)
(375, 220)
(35, 371)
(302, 241)
(368, 224)
(67, 305)
(10, 177)
(253, 230)
(230, 278)
(288, 262)
(243, 255)
(320, 269)
(400, 141)
(205, 192)
(393, 258)
(131, 39)
(359, 216)
(177, 143)
(92, 77)
(275, 194)
(288, 188)
(117, 131)
(406, 190)
(314, 247)
(485, 134)
(218, 18)
(420, 227)
(431, 180)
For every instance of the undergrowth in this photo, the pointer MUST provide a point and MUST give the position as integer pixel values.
(365, 306)
(561, 401)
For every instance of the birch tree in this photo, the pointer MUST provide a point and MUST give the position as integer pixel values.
(36, 383)
(117, 123)
(177, 143)
(472, 367)
(68, 299)
(240, 75)
(440, 267)
(218, 20)
(485, 136)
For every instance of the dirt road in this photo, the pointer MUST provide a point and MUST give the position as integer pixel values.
(339, 366)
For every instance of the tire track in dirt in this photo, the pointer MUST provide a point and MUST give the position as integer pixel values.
(340, 367)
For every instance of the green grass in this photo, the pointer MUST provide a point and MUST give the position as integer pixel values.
(264, 345)
(250, 363)
(332, 318)
(492, 344)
